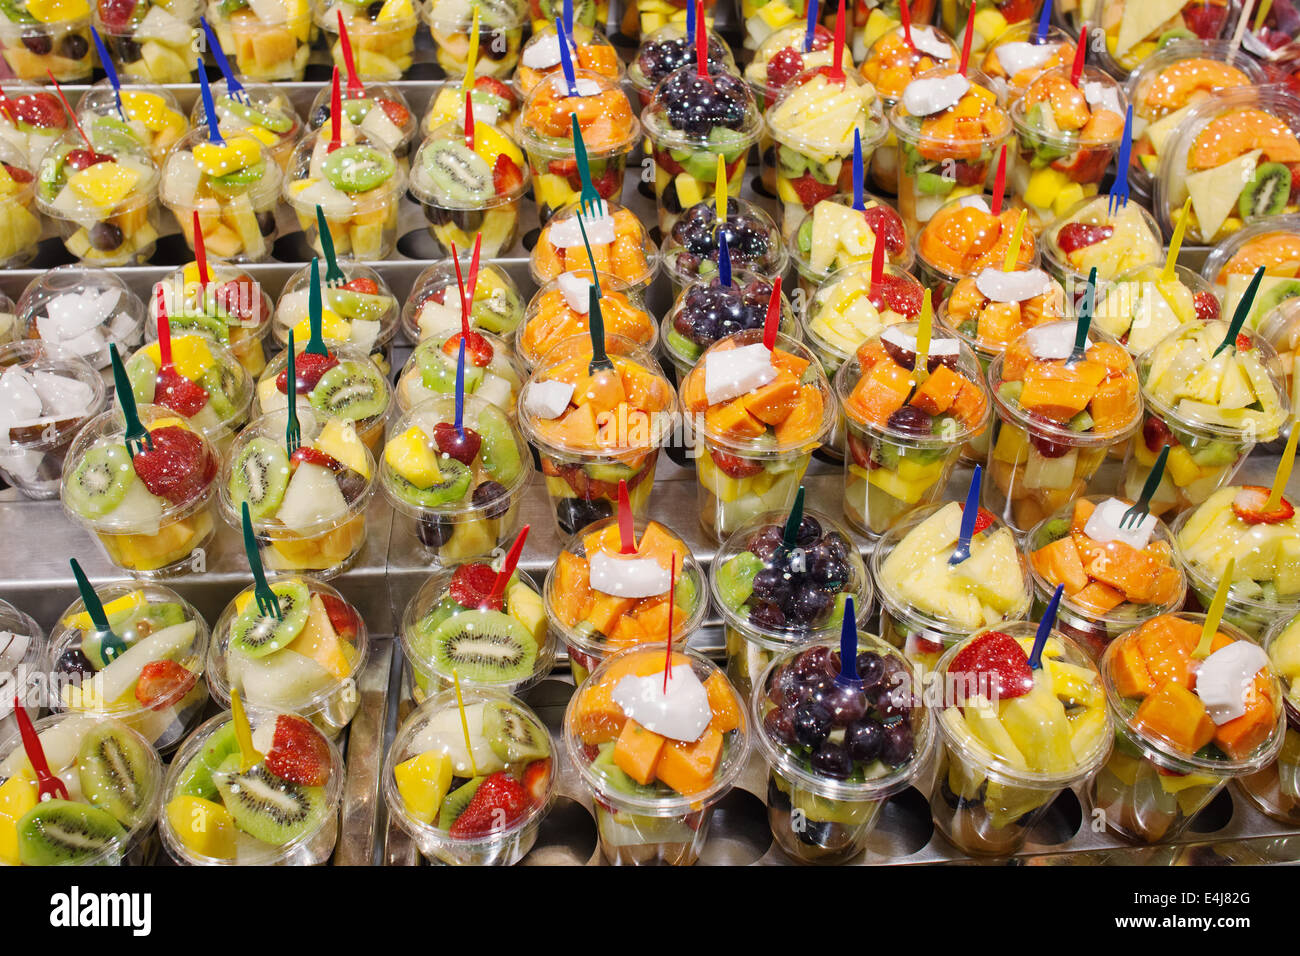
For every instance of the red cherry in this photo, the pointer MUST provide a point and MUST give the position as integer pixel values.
(308, 369)
(450, 443)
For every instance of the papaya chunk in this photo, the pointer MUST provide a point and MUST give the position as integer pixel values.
(693, 395)
(1239, 737)
(772, 403)
(689, 767)
(1098, 598)
(723, 703)
(1129, 670)
(793, 364)
(733, 420)
(1114, 404)
(1061, 391)
(1126, 569)
(1059, 563)
(637, 752)
(937, 393)
(1177, 715)
(803, 425)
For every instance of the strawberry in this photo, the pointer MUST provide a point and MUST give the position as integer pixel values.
(362, 285)
(490, 84)
(397, 114)
(175, 391)
(1204, 19)
(784, 67)
(897, 294)
(298, 752)
(810, 191)
(471, 584)
(537, 779)
(498, 803)
(566, 169)
(1243, 343)
(860, 451)
(670, 167)
(18, 174)
(994, 665)
(1248, 505)
(80, 159)
(983, 520)
(179, 466)
(1085, 165)
(1156, 434)
(969, 174)
(238, 299)
(609, 183)
(887, 225)
(1206, 305)
(1075, 235)
(478, 350)
(305, 454)
(342, 617)
(164, 683)
(308, 368)
(734, 466)
(507, 177)
(41, 110)
(452, 444)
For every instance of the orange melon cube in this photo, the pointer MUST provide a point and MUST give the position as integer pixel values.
(940, 389)
(689, 767)
(693, 395)
(1061, 391)
(723, 703)
(1098, 598)
(970, 405)
(1129, 670)
(772, 403)
(1059, 563)
(659, 543)
(605, 611)
(637, 752)
(733, 419)
(803, 425)
(1114, 404)
(597, 718)
(1177, 715)
(1239, 737)
(793, 364)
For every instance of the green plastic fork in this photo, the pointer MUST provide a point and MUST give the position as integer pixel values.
(589, 200)
(268, 602)
(1138, 513)
(293, 431)
(333, 274)
(137, 437)
(315, 344)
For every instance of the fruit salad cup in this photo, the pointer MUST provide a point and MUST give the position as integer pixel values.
(1140, 307)
(963, 238)
(655, 762)
(281, 811)
(706, 311)
(150, 115)
(1273, 790)
(609, 131)
(1168, 84)
(22, 646)
(669, 49)
(691, 121)
(492, 375)
(1055, 420)
(1233, 156)
(150, 40)
(463, 494)
(380, 112)
(1183, 727)
(1133, 31)
(950, 129)
(467, 192)
(1017, 57)
(450, 632)
(586, 13)
(561, 310)
(872, 19)
(114, 782)
(358, 185)
(594, 428)
(102, 203)
(433, 307)
(1210, 411)
(152, 513)
(360, 312)
(346, 386)
(1273, 243)
(824, 794)
(36, 121)
(82, 311)
(147, 673)
(627, 603)
(905, 428)
(37, 36)
(813, 126)
(836, 236)
(1012, 738)
(495, 103)
(1088, 236)
(1114, 577)
(382, 36)
(263, 110)
(992, 19)
(691, 246)
(231, 310)
(206, 386)
(1281, 329)
(308, 509)
(772, 600)
(926, 604)
(619, 243)
(1067, 136)
(1233, 524)
(234, 186)
(763, 17)
(271, 39)
(470, 777)
(590, 48)
(19, 216)
(304, 662)
(500, 33)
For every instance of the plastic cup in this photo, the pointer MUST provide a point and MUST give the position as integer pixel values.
(654, 824)
(1281, 329)
(434, 731)
(544, 129)
(17, 191)
(890, 467)
(833, 241)
(1151, 788)
(457, 216)
(691, 246)
(151, 114)
(825, 817)
(155, 43)
(430, 374)
(963, 238)
(433, 307)
(495, 103)
(382, 37)
(669, 49)
(757, 627)
(1134, 241)
(66, 733)
(268, 44)
(647, 16)
(38, 119)
(551, 316)
(981, 800)
(631, 256)
(914, 615)
(232, 311)
(1273, 243)
(761, 18)
(1011, 65)
(141, 615)
(22, 646)
(1204, 21)
(358, 186)
(1273, 789)
(501, 32)
(45, 307)
(591, 50)
(761, 474)
(594, 624)
(871, 21)
(363, 319)
(582, 476)
(263, 110)
(8, 320)
(61, 45)
(159, 536)
(705, 311)
(312, 847)
(382, 113)
(1140, 309)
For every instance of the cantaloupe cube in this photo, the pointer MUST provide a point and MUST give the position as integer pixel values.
(637, 752)
(689, 767)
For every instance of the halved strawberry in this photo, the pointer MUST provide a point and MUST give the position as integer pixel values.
(308, 368)
(887, 225)
(499, 802)
(1248, 505)
(1207, 306)
(41, 110)
(298, 752)
(783, 67)
(178, 467)
(997, 665)
(398, 114)
(305, 454)
(163, 684)
(173, 390)
(734, 466)
(507, 177)
(464, 448)
(609, 182)
(1076, 235)
(1243, 343)
(537, 777)
(478, 350)
(342, 617)
(897, 294)
(983, 519)
(239, 299)
(471, 584)
(490, 84)
(810, 191)
(363, 285)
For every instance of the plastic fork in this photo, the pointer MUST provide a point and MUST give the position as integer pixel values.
(137, 437)
(110, 644)
(1142, 507)
(292, 430)
(316, 343)
(106, 62)
(969, 515)
(48, 786)
(589, 200)
(333, 274)
(268, 602)
(600, 361)
(233, 86)
(1118, 198)
(1080, 350)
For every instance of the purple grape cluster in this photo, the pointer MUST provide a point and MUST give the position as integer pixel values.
(797, 588)
(658, 58)
(699, 104)
(749, 239)
(710, 312)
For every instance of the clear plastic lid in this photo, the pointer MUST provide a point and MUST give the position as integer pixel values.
(630, 255)
(891, 64)
(600, 622)
(963, 237)
(220, 391)
(991, 312)
(1184, 381)
(430, 372)
(1280, 642)
(887, 729)
(1281, 329)
(690, 250)
(1053, 115)
(1017, 57)
(359, 177)
(108, 491)
(706, 311)
(1060, 732)
(70, 184)
(168, 27)
(846, 310)
(22, 648)
(559, 310)
(783, 56)
(700, 728)
(1147, 673)
(540, 56)
(237, 179)
(434, 303)
(361, 311)
(1139, 307)
(495, 103)
(382, 114)
(232, 299)
(449, 631)
(315, 649)
(152, 660)
(19, 182)
(668, 49)
(38, 118)
(346, 385)
(604, 113)
(926, 117)
(834, 235)
(947, 407)
(716, 113)
(262, 107)
(781, 597)
(1233, 155)
(801, 119)
(448, 174)
(1088, 235)
(150, 115)
(1130, 37)
(458, 15)
(1273, 243)
(82, 311)
(117, 818)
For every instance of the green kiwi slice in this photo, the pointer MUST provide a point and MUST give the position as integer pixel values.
(267, 807)
(260, 477)
(60, 832)
(456, 173)
(196, 778)
(500, 451)
(351, 391)
(100, 481)
(453, 486)
(485, 647)
(113, 766)
(513, 735)
(454, 803)
(256, 634)
(1267, 192)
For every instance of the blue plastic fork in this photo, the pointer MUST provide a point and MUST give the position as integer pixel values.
(233, 86)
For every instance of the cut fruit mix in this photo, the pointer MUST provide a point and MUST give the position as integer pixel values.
(619, 244)
(500, 33)
(1141, 307)
(264, 112)
(993, 308)
(1021, 54)
(963, 238)
(490, 373)
(706, 311)
(20, 223)
(361, 311)
(1089, 236)
(204, 384)
(785, 55)
(150, 40)
(150, 117)
(344, 385)
(541, 58)
(82, 310)
(1137, 29)
(1273, 244)
(561, 308)
(382, 35)
(377, 113)
(36, 121)
(835, 236)
(40, 38)
(848, 308)
(495, 103)
(433, 307)
(271, 39)
(230, 310)
(692, 245)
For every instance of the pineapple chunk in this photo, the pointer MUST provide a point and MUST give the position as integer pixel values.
(423, 782)
(410, 455)
(339, 440)
(1036, 722)
(104, 184)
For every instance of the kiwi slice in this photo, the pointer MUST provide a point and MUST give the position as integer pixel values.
(513, 735)
(350, 390)
(453, 486)
(113, 767)
(221, 384)
(196, 777)
(208, 326)
(454, 803)
(456, 172)
(736, 579)
(256, 634)
(438, 373)
(1267, 192)
(266, 807)
(500, 451)
(143, 376)
(275, 121)
(358, 169)
(59, 832)
(100, 481)
(499, 311)
(260, 477)
(485, 647)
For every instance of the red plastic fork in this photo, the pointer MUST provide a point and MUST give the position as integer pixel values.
(48, 786)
